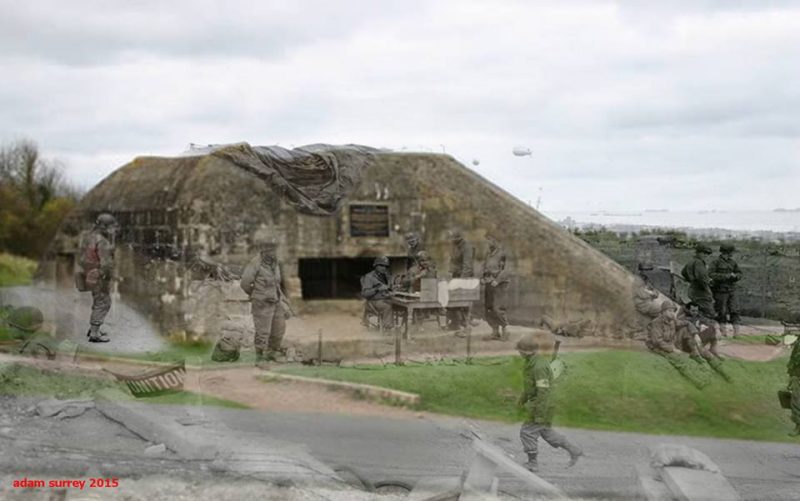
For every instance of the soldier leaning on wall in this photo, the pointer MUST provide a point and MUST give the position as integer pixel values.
(96, 272)
(725, 275)
(261, 280)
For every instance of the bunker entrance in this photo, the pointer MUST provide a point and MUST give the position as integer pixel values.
(333, 278)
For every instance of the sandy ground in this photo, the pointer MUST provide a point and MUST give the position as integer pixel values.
(240, 385)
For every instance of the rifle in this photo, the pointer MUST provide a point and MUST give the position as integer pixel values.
(555, 350)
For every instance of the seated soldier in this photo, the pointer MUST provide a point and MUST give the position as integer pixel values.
(376, 289)
(645, 296)
(696, 334)
(661, 330)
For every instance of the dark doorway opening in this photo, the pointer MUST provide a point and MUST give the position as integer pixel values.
(333, 278)
(336, 278)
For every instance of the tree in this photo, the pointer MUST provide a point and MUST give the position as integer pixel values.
(34, 198)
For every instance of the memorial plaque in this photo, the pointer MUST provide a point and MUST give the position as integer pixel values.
(369, 220)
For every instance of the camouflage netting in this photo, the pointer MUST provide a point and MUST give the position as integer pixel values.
(315, 179)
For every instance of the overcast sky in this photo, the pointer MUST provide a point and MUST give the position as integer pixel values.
(625, 105)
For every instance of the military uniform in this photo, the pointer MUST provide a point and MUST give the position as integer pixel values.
(725, 273)
(793, 369)
(661, 334)
(376, 290)
(423, 268)
(696, 273)
(496, 283)
(537, 400)
(261, 280)
(461, 266)
(97, 262)
(24, 325)
(696, 336)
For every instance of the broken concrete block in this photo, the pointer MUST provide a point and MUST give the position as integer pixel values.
(155, 450)
(51, 407)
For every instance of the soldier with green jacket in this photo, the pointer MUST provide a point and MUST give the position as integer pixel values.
(25, 325)
(461, 266)
(537, 400)
(496, 282)
(725, 274)
(794, 387)
(696, 273)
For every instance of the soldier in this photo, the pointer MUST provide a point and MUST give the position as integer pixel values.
(691, 323)
(661, 335)
(26, 323)
(262, 281)
(376, 290)
(793, 369)
(696, 273)
(461, 266)
(97, 265)
(495, 279)
(725, 273)
(414, 247)
(537, 399)
(645, 296)
(424, 268)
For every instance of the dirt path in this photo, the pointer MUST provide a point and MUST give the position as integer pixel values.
(241, 385)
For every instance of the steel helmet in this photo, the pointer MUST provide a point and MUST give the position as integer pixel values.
(105, 220)
(26, 318)
(527, 345)
(727, 248)
(381, 261)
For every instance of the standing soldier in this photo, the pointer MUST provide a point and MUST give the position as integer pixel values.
(97, 268)
(414, 247)
(461, 266)
(495, 280)
(537, 399)
(725, 273)
(696, 273)
(794, 387)
(261, 280)
(376, 289)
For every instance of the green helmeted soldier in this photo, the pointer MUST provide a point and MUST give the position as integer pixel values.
(461, 266)
(696, 273)
(25, 324)
(495, 278)
(97, 269)
(376, 289)
(661, 331)
(537, 400)
(262, 281)
(725, 274)
(794, 387)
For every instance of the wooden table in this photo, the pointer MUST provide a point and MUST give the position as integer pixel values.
(409, 304)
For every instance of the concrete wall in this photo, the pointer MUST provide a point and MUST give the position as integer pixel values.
(174, 209)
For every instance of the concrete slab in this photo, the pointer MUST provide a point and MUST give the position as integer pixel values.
(688, 484)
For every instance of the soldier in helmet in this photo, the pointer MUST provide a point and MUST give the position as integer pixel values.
(414, 247)
(423, 268)
(661, 331)
(537, 399)
(725, 275)
(262, 281)
(26, 323)
(376, 289)
(461, 266)
(496, 281)
(97, 265)
(696, 273)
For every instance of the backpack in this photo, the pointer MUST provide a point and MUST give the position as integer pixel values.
(87, 276)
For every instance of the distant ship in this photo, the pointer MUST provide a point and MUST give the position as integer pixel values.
(786, 210)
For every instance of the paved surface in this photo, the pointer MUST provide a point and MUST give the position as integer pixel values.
(413, 449)
(130, 331)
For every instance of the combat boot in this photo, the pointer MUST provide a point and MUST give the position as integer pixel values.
(504, 333)
(735, 330)
(575, 453)
(532, 464)
(276, 356)
(261, 361)
(97, 336)
(723, 330)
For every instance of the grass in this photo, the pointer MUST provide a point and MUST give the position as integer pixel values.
(15, 270)
(606, 390)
